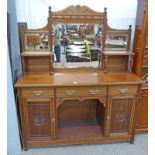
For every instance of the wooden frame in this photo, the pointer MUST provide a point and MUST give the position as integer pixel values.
(78, 14)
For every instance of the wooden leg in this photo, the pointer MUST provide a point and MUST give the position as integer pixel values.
(25, 149)
(24, 145)
(132, 139)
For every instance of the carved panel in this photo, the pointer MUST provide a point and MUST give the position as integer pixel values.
(120, 114)
(78, 10)
(39, 119)
(60, 100)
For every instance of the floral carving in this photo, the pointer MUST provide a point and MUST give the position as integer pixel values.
(120, 117)
(39, 121)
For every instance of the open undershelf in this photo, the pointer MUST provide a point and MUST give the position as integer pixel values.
(79, 129)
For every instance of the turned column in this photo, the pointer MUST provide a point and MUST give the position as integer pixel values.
(131, 63)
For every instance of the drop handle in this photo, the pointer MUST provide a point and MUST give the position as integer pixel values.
(70, 92)
(38, 92)
(123, 90)
(93, 91)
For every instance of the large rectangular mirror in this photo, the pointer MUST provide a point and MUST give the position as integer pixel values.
(77, 42)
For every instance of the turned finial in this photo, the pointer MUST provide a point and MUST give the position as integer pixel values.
(105, 9)
(49, 8)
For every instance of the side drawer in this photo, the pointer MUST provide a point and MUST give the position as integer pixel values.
(37, 92)
(80, 91)
(123, 90)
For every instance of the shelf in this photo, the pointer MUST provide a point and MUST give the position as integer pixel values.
(81, 129)
(118, 53)
(39, 53)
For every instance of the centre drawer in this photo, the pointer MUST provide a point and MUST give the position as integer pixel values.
(37, 92)
(80, 91)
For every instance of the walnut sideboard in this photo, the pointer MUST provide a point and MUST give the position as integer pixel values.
(73, 107)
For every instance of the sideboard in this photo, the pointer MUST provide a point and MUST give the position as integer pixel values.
(79, 105)
(70, 107)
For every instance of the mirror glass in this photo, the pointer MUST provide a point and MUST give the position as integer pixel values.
(116, 42)
(77, 42)
(37, 41)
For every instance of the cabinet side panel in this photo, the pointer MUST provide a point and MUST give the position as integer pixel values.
(142, 119)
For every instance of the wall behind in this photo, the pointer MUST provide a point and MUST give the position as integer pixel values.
(14, 39)
(121, 13)
(13, 140)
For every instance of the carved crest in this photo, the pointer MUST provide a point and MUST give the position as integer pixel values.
(78, 10)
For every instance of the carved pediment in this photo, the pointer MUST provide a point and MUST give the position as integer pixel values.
(78, 10)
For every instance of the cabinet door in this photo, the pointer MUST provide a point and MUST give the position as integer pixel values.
(38, 118)
(121, 114)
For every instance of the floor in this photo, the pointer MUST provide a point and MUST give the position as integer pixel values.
(140, 147)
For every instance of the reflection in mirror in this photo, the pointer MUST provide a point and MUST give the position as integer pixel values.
(37, 41)
(77, 42)
(116, 42)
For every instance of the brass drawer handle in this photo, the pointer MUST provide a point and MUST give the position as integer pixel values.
(123, 90)
(70, 92)
(38, 92)
(93, 91)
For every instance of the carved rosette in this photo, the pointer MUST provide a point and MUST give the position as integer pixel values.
(39, 121)
(120, 117)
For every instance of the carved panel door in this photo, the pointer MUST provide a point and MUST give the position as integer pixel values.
(38, 119)
(121, 114)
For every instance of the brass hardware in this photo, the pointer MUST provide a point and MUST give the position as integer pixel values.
(93, 91)
(53, 119)
(70, 92)
(123, 90)
(108, 117)
(38, 92)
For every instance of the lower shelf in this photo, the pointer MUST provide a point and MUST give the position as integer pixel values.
(81, 129)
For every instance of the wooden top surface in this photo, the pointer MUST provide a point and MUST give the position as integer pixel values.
(74, 78)
(76, 65)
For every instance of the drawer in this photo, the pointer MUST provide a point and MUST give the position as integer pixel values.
(80, 91)
(37, 92)
(124, 89)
